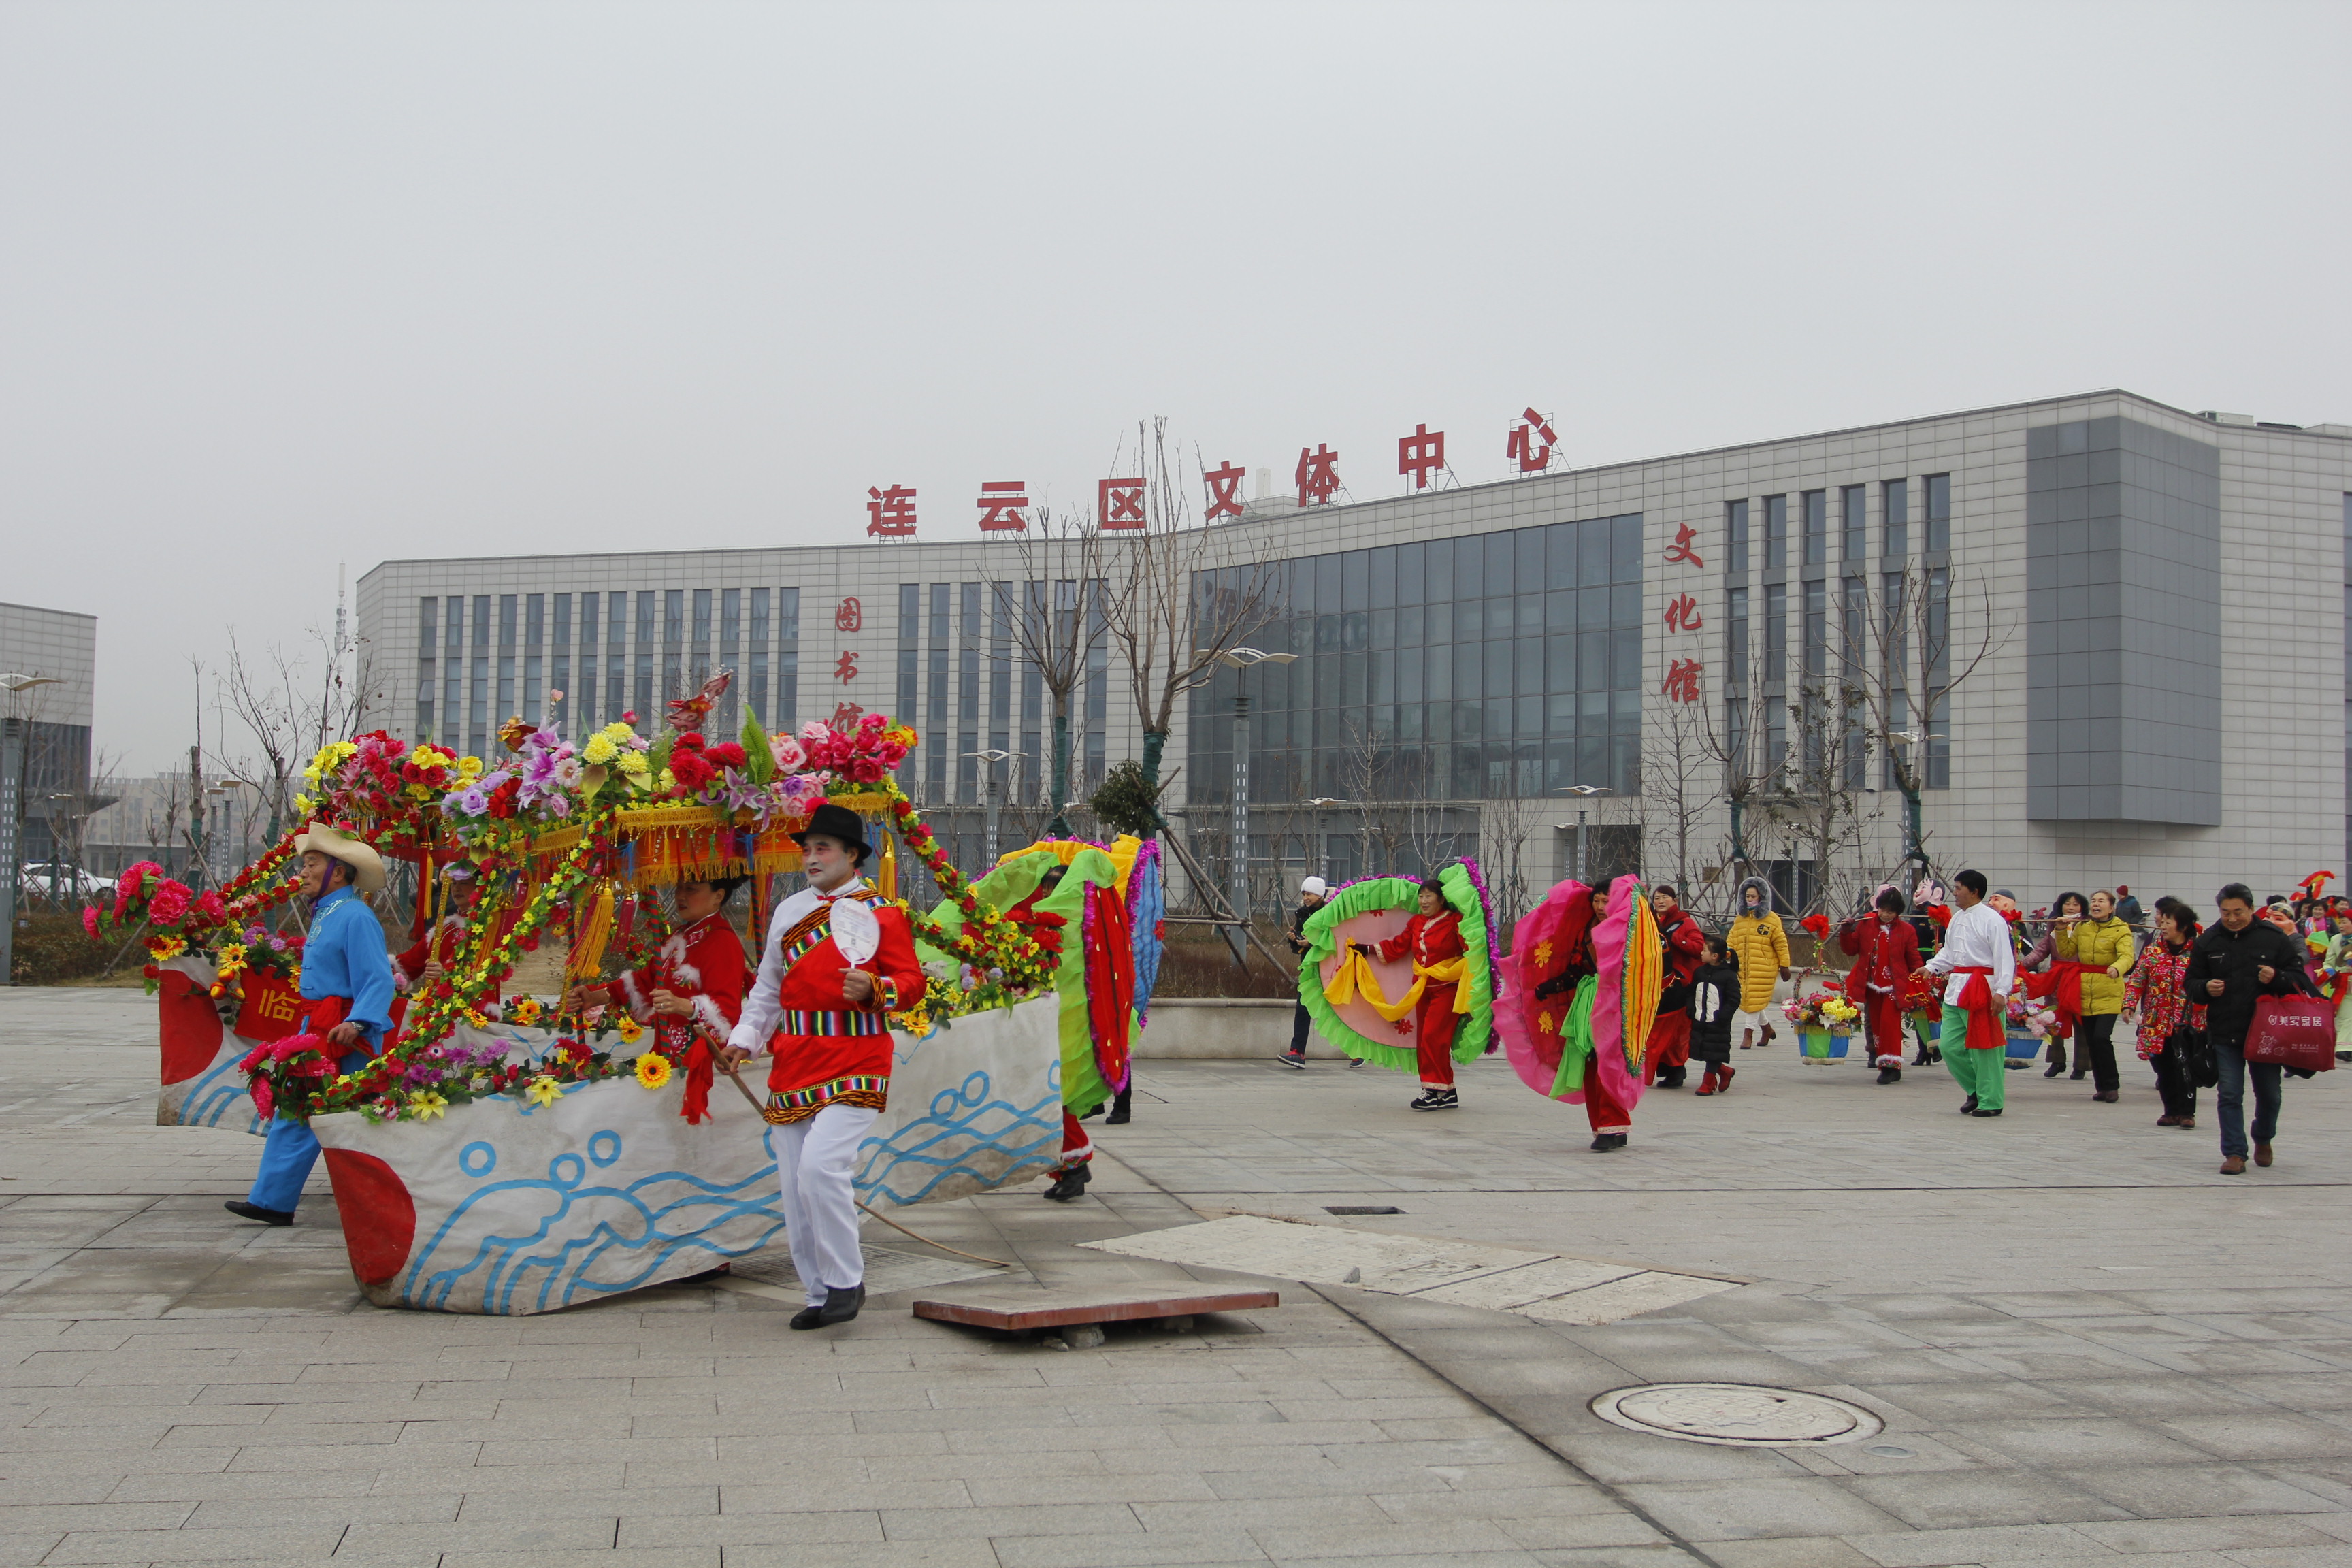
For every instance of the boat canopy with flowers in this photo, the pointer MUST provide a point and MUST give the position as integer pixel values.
(514, 1158)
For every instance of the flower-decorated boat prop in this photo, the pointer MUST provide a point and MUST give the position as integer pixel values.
(515, 1160)
(1555, 1030)
(1360, 1004)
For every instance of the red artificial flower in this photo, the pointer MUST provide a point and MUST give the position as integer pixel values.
(89, 922)
(691, 769)
(212, 907)
(691, 741)
(726, 754)
(503, 799)
(1818, 924)
(169, 902)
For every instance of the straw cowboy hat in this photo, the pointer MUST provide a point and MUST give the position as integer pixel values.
(367, 865)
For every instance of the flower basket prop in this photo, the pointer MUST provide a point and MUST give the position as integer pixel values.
(1372, 910)
(1823, 1019)
(1538, 1032)
(556, 1193)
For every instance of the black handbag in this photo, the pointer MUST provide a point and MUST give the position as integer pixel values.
(2192, 1050)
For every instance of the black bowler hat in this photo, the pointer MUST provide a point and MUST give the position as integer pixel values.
(840, 822)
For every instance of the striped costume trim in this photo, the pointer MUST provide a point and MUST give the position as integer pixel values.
(831, 1025)
(783, 1108)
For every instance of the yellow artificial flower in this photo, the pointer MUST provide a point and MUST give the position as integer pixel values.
(653, 1069)
(162, 949)
(621, 733)
(633, 762)
(426, 1106)
(667, 782)
(523, 1010)
(543, 1091)
(469, 767)
(599, 750)
(628, 1028)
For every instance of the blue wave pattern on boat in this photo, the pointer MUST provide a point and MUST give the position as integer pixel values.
(664, 1213)
(968, 1132)
(219, 1096)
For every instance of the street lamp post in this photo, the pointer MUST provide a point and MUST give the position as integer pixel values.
(12, 813)
(1584, 793)
(1240, 661)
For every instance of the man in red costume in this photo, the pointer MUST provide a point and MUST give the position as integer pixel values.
(1432, 938)
(429, 960)
(692, 993)
(839, 959)
(1885, 949)
(1666, 1062)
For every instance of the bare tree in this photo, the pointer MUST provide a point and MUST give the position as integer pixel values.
(1180, 595)
(1679, 770)
(1903, 673)
(1734, 736)
(1054, 614)
(1816, 801)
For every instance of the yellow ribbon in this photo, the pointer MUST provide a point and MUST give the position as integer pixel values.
(1354, 978)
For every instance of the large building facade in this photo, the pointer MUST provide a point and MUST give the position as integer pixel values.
(2105, 631)
(51, 722)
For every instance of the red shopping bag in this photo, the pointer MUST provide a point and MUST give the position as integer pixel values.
(2293, 1032)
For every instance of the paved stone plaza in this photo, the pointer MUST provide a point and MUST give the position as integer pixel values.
(2087, 1347)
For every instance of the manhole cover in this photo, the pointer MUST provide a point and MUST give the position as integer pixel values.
(1743, 1415)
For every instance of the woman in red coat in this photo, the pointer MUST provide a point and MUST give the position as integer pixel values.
(1885, 949)
(1433, 939)
(692, 993)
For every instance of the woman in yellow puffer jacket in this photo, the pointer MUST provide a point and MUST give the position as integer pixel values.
(2103, 944)
(1759, 945)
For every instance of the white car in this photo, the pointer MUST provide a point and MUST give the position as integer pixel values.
(34, 882)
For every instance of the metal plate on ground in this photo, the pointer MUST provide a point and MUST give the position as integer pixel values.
(1013, 1307)
(770, 1273)
(1547, 1285)
(1738, 1414)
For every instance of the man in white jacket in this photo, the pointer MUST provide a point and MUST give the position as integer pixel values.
(1981, 959)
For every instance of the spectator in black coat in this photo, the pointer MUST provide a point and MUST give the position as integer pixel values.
(2233, 963)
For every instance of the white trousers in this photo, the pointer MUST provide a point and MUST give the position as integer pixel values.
(816, 1159)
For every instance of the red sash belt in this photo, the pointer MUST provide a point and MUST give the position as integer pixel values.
(2062, 985)
(1985, 1034)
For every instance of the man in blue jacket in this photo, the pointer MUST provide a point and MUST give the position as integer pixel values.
(346, 977)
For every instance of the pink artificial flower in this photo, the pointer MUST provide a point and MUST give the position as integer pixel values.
(872, 721)
(817, 730)
(866, 770)
(790, 757)
(264, 1098)
(212, 907)
(169, 902)
(89, 922)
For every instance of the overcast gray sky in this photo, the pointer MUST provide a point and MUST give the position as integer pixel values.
(282, 286)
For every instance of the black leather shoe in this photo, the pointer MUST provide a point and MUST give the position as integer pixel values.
(840, 1305)
(1070, 1183)
(1994, 1111)
(1608, 1143)
(1118, 1111)
(244, 1210)
(1890, 1075)
(809, 1318)
(1969, 1106)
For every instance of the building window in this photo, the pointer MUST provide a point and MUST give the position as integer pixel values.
(584, 704)
(1776, 532)
(1736, 637)
(642, 645)
(1776, 636)
(1894, 506)
(970, 633)
(1817, 528)
(673, 671)
(506, 659)
(730, 654)
(787, 657)
(616, 658)
(936, 716)
(534, 642)
(478, 682)
(453, 671)
(699, 650)
(428, 642)
(1817, 632)
(1852, 507)
(756, 695)
(558, 700)
(1734, 528)
(911, 672)
(1940, 513)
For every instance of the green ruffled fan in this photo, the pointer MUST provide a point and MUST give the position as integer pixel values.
(1374, 911)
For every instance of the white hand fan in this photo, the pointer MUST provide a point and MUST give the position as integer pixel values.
(855, 931)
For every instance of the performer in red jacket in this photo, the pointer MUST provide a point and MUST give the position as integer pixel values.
(1666, 1062)
(839, 958)
(1432, 938)
(692, 993)
(430, 959)
(1885, 949)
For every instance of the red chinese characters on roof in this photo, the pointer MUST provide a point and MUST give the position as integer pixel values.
(1524, 447)
(1421, 454)
(1121, 506)
(1682, 681)
(1681, 550)
(1000, 502)
(1224, 483)
(846, 670)
(1318, 475)
(890, 512)
(1682, 614)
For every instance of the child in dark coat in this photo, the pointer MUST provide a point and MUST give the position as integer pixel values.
(1715, 997)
